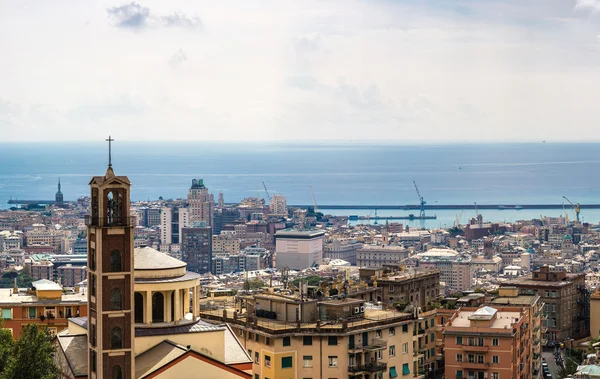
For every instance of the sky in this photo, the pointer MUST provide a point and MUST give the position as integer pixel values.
(415, 70)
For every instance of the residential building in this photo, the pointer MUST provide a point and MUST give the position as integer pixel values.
(298, 249)
(379, 255)
(42, 270)
(278, 205)
(488, 342)
(566, 300)
(595, 314)
(201, 203)
(70, 276)
(225, 216)
(196, 249)
(226, 243)
(291, 337)
(417, 286)
(340, 249)
(44, 304)
(455, 269)
(172, 221)
(534, 307)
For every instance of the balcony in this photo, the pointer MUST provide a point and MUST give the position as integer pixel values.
(439, 328)
(478, 349)
(376, 344)
(101, 222)
(439, 342)
(476, 366)
(369, 367)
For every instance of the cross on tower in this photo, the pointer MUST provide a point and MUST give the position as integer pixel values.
(109, 140)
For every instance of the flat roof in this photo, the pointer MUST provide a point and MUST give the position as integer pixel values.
(302, 234)
(503, 319)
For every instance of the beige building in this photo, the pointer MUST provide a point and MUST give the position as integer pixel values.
(595, 315)
(340, 249)
(455, 270)
(45, 237)
(226, 243)
(298, 249)
(290, 337)
(201, 203)
(379, 255)
(278, 205)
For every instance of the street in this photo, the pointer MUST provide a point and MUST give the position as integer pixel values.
(549, 357)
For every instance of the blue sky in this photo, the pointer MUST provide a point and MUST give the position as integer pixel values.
(450, 70)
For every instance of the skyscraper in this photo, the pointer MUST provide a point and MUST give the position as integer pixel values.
(196, 248)
(201, 203)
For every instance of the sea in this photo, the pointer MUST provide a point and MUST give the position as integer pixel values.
(345, 172)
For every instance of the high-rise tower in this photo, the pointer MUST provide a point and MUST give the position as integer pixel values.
(201, 203)
(110, 278)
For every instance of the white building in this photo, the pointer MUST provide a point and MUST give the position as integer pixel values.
(378, 255)
(297, 249)
(278, 205)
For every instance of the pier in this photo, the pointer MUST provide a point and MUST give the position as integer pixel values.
(450, 206)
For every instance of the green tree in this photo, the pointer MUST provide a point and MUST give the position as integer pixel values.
(568, 369)
(32, 356)
(6, 346)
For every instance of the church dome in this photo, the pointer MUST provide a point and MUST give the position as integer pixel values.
(151, 263)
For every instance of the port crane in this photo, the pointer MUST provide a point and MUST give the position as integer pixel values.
(314, 200)
(267, 191)
(422, 202)
(575, 208)
(458, 217)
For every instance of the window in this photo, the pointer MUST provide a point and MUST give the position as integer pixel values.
(378, 333)
(480, 359)
(392, 351)
(267, 341)
(286, 362)
(459, 374)
(405, 328)
(393, 373)
(392, 331)
(495, 342)
(480, 341)
(242, 333)
(405, 369)
(495, 375)
(471, 358)
(391, 289)
(307, 361)
(332, 341)
(405, 348)
(379, 355)
(116, 338)
(459, 340)
(287, 341)
(115, 300)
(432, 322)
(256, 376)
(7, 313)
(32, 313)
(93, 259)
(267, 361)
(333, 361)
(93, 360)
(495, 359)
(250, 335)
(256, 357)
(307, 340)
(432, 337)
(459, 357)
(256, 337)
(115, 261)
(250, 353)
(116, 372)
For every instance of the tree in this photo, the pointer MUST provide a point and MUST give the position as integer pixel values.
(6, 346)
(32, 356)
(569, 368)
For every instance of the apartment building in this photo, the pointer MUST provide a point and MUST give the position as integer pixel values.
(595, 314)
(340, 249)
(278, 205)
(298, 249)
(379, 255)
(488, 343)
(227, 243)
(293, 337)
(566, 300)
(455, 269)
(416, 286)
(534, 308)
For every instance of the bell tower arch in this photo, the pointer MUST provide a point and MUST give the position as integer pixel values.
(110, 278)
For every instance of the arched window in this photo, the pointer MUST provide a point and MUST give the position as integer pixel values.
(115, 300)
(158, 307)
(116, 338)
(116, 372)
(138, 306)
(115, 261)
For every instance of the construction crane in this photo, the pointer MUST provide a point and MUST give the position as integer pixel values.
(314, 200)
(575, 208)
(421, 201)
(458, 217)
(267, 191)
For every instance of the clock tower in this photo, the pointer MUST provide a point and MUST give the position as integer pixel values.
(110, 278)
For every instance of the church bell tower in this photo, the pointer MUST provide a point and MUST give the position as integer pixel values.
(110, 278)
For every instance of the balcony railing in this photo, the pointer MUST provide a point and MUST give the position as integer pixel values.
(476, 348)
(376, 344)
(368, 367)
(481, 366)
(109, 221)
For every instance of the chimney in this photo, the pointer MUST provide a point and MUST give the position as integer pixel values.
(15, 288)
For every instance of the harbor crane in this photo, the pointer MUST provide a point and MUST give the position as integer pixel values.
(267, 191)
(422, 202)
(314, 200)
(575, 208)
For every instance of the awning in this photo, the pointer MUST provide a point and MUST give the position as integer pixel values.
(393, 372)
(405, 369)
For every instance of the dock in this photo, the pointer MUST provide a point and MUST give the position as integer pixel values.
(407, 207)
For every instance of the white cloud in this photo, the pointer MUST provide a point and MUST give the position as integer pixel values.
(451, 70)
